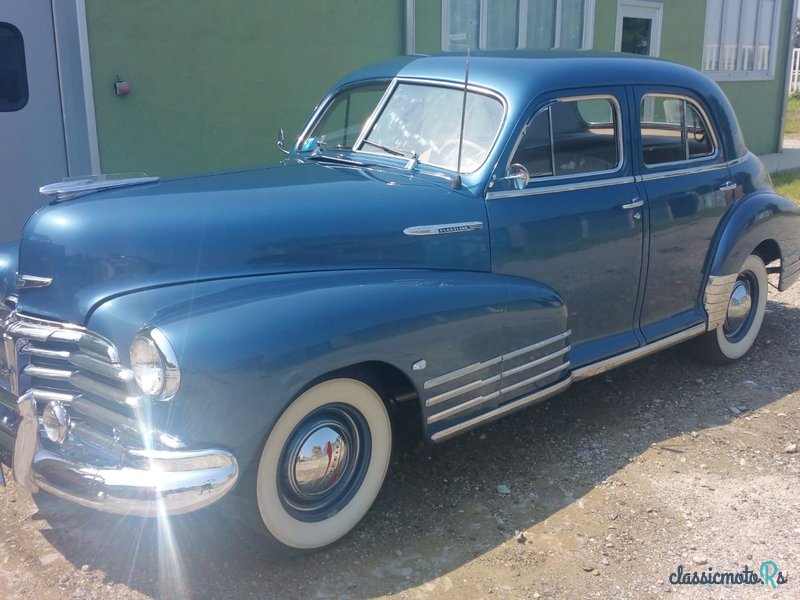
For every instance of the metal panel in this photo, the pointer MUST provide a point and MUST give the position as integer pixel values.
(33, 150)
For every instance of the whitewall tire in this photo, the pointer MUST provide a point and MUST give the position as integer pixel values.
(323, 464)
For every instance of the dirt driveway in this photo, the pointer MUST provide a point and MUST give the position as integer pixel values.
(613, 485)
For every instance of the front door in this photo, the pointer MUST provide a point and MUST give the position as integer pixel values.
(577, 226)
(32, 145)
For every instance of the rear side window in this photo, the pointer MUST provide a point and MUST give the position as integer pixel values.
(13, 76)
(673, 130)
(571, 137)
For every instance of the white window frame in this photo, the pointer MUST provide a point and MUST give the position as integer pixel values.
(739, 74)
(522, 31)
(644, 10)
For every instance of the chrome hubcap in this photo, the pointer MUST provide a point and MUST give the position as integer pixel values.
(322, 457)
(740, 307)
(324, 462)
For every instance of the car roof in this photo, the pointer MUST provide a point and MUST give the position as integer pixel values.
(520, 76)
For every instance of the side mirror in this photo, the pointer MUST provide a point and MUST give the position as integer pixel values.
(518, 175)
(281, 140)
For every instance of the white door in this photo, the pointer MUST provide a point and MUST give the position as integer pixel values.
(32, 141)
(639, 27)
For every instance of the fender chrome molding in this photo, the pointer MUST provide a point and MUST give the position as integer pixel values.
(716, 298)
(576, 375)
(443, 228)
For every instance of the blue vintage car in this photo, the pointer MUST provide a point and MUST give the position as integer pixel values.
(453, 238)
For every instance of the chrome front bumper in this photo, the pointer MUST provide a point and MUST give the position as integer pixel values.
(144, 483)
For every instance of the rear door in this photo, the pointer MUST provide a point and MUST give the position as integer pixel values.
(686, 182)
(32, 145)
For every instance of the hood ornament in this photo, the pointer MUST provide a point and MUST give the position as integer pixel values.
(24, 282)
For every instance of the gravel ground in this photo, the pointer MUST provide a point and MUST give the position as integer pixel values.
(612, 485)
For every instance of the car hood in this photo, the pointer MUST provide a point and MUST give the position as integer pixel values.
(289, 218)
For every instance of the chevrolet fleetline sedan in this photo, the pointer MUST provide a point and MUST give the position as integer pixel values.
(455, 238)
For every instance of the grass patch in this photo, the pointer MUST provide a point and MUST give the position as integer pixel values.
(793, 115)
(788, 184)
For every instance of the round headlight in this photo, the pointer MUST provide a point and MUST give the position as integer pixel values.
(154, 365)
(147, 365)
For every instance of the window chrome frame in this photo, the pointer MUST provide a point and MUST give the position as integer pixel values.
(688, 161)
(551, 178)
(393, 83)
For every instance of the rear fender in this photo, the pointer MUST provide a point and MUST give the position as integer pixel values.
(753, 219)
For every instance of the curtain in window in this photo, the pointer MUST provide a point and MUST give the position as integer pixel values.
(541, 24)
(739, 35)
(502, 24)
(571, 24)
(464, 17)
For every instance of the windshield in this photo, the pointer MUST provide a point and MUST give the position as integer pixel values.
(417, 120)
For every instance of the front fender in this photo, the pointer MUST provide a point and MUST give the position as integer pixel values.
(753, 219)
(248, 346)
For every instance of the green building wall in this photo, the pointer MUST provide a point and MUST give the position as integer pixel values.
(212, 82)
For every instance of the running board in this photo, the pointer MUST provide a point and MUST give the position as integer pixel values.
(577, 375)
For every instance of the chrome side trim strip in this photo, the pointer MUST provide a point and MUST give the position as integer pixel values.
(461, 372)
(680, 172)
(480, 383)
(493, 361)
(443, 228)
(717, 294)
(453, 410)
(537, 345)
(462, 390)
(536, 363)
(563, 187)
(535, 378)
(542, 394)
(631, 355)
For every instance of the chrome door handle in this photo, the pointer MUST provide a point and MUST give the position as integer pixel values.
(728, 186)
(637, 202)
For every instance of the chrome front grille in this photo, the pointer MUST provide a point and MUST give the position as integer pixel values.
(70, 364)
(71, 359)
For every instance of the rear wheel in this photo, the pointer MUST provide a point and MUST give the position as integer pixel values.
(323, 464)
(745, 313)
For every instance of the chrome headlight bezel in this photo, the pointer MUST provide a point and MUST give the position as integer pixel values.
(165, 361)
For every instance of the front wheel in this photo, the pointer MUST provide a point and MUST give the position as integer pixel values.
(745, 313)
(323, 464)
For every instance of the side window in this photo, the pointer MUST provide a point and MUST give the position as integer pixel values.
(571, 137)
(13, 76)
(673, 130)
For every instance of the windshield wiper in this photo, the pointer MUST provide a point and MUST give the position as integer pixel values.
(409, 154)
(337, 159)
